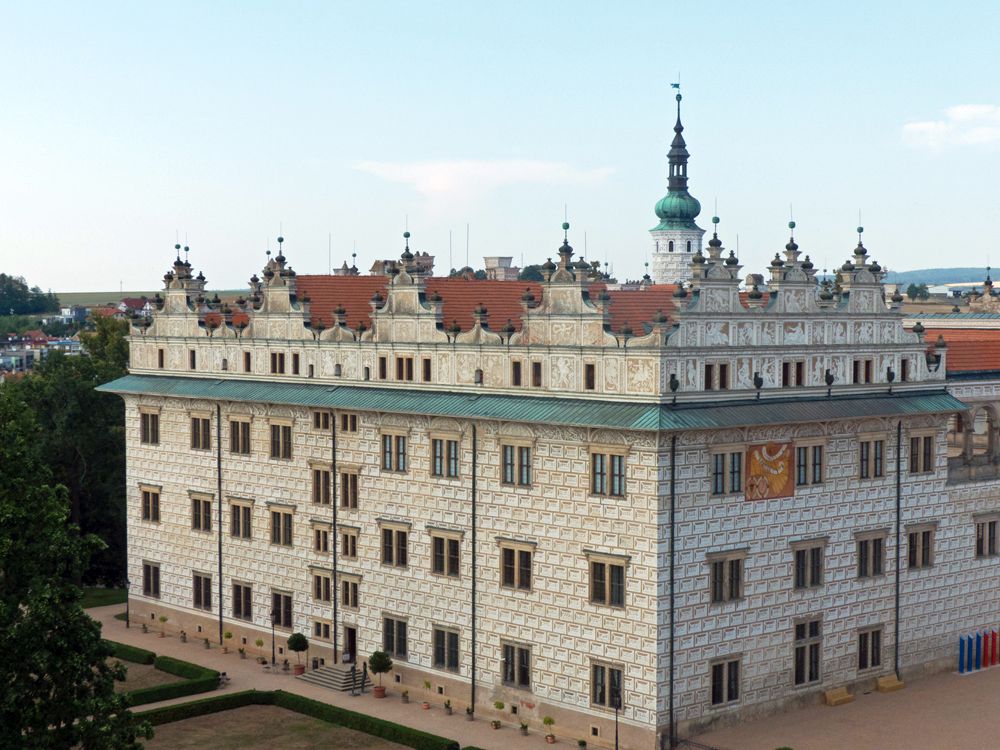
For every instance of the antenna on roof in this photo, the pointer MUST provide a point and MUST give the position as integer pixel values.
(329, 252)
(584, 244)
(406, 223)
(451, 265)
(467, 246)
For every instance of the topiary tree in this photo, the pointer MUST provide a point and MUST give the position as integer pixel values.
(297, 643)
(379, 663)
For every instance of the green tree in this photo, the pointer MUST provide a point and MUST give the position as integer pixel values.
(17, 299)
(531, 273)
(917, 291)
(58, 689)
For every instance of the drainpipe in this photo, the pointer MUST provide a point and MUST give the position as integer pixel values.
(673, 545)
(335, 540)
(899, 498)
(218, 487)
(474, 461)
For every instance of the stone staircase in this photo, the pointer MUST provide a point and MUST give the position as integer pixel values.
(335, 677)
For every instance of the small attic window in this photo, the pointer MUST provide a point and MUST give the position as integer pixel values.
(312, 370)
(670, 246)
(689, 245)
(479, 377)
(368, 373)
(338, 370)
(225, 364)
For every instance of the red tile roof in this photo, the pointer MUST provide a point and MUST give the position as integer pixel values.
(969, 350)
(460, 297)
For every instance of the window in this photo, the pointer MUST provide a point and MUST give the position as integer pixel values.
(871, 458)
(149, 428)
(404, 368)
(349, 544)
(321, 630)
(393, 452)
(321, 486)
(717, 377)
(382, 368)
(444, 457)
(808, 640)
(281, 610)
(192, 359)
(321, 587)
(921, 454)
(321, 420)
(445, 555)
(515, 566)
(239, 436)
(348, 422)
(725, 682)
(921, 546)
(726, 576)
(394, 546)
(607, 581)
(515, 373)
(239, 520)
(869, 648)
(394, 637)
(349, 592)
(536, 374)
(589, 377)
(321, 539)
(709, 377)
(808, 465)
(225, 364)
(986, 537)
(516, 465)
(201, 514)
(862, 372)
(295, 364)
(904, 371)
(242, 601)
(281, 441)
(281, 528)
(871, 554)
(201, 433)
(202, 591)
(277, 363)
(151, 580)
(445, 649)
(246, 362)
(516, 666)
(349, 490)
(607, 474)
(159, 358)
(808, 557)
(727, 472)
(793, 374)
(426, 363)
(151, 505)
(606, 686)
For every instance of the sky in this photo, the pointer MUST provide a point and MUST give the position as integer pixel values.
(126, 127)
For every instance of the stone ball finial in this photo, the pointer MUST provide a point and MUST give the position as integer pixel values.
(565, 226)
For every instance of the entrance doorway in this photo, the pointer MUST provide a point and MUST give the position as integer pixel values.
(350, 654)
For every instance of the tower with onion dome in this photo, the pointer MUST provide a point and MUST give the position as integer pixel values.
(676, 238)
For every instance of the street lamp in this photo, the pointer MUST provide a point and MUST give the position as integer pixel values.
(616, 698)
(274, 616)
(128, 586)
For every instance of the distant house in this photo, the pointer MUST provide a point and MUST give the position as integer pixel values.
(135, 306)
(108, 311)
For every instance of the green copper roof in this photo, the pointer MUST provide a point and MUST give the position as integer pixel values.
(541, 409)
(677, 210)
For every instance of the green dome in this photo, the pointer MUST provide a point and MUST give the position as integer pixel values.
(677, 210)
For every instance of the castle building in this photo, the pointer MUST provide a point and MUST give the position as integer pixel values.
(675, 507)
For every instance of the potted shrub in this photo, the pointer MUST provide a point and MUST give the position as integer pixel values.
(163, 626)
(548, 721)
(379, 663)
(426, 704)
(498, 705)
(524, 728)
(184, 637)
(259, 643)
(298, 643)
(405, 696)
(470, 713)
(227, 636)
(447, 707)
(243, 652)
(581, 743)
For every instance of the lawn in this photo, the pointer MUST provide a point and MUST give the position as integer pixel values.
(100, 597)
(261, 728)
(142, 676)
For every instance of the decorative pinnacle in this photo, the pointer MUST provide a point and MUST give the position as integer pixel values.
(715, 219)
(565, 227)
(861, 231)
(280, 239)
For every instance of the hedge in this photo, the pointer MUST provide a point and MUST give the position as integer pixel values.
(368, 724)
(197, 680)
(182, 711)
(130, 653)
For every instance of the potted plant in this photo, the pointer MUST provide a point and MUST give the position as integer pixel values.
(405, 696)
(426, 704)
(243, 652)
(379, 663)
(470, 713)
(581, 743)
(259, 643)
(447, 707)
(498, 705)
(163, 626)
(524, 728)
(298, 643)
(207, 644)
(184, 637)
(227, 636)
(285, 667)
(548, 721)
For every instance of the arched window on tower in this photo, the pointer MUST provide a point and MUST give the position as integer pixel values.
(689, 245)
(670, 246)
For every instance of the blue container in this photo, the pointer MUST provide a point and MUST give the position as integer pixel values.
(961, 655)
(979, 650)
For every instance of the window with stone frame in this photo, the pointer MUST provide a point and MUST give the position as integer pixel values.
(725, 575)
(607, 473)
(395, 538)
(281, 609)
(404, 368)
(726, 471)
(246, 362)
(607, 579)
(277, 363)
(515, 564)
(870, 648)
(536, 374)
(716, 376)
(321, 587)
(281, 527)
(516, 378)
(793, 374)
(986, 534)
(349, 490)
(809, 463)
(240, 519)
(921, 458)
(871, 553)
(349, 591)
(150, 502)
(871, 458)
(201, 433)
(589, 377)
(281, 440)
(321, 630)
(444, 456)
(348, 422)
(151, 579)
(515, 665)
(393, 452)
(606, 683)
(515, 464)
(920, 545)
(426, 369)
(807, 651)
(239, 436)
(807, 563)
(725, 679)
(321, 420)
(192, 359)
(149, 427)
(202, 587)
(321, 538)
(321, 485)
(446, 553)
(242, 601)
(349, 544)
(394, 636)
(201, 513)
(445, 649)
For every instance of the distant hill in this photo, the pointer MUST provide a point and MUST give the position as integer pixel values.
(87, 299)
(936, 276)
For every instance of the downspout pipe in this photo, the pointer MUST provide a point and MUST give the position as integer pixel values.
(472, 698)
(899, 561)
(334, 533)
(218, 487)
(673, 561)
